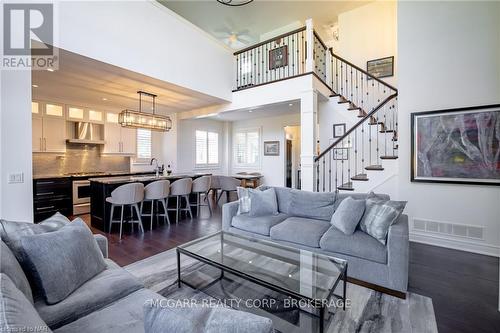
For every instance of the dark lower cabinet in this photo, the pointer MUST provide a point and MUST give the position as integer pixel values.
(51, 196)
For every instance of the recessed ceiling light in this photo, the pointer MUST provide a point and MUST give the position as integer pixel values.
(104, 99)
(291, 104)
(34, 85)
(50, 69)
(250, 111)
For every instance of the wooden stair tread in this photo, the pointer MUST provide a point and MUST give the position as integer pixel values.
(361, 177)
(346, 187)
(342, 100)
(389, 157)
(387, 131)
(375, 167)
(334, 95)
(353, 108)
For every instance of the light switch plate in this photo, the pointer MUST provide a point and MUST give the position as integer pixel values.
(16, 178)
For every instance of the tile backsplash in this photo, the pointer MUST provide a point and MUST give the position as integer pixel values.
(78, 158)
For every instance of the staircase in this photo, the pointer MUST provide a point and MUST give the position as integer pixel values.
(364, 147)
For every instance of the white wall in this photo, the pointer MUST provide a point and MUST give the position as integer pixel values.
(368, 32)
(148, 38)
(449, 56)
(272, 129)
(15, 122)
(186, 154)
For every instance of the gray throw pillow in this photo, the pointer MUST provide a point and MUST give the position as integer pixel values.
(61, 261)
(379, 216)
(348, 215)
(16, 311)
(263, 202)
(312, 205)
(10, 266)
(202, 319)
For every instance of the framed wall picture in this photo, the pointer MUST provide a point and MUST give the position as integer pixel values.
(338, 130)
(458, 146)
(271, 148)
(382, 67)
(340, 154)
(278, 57)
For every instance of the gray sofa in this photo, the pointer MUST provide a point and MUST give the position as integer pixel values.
(369, 260)
(112, 301)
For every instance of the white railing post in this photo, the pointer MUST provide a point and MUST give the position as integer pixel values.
(310, 46)
(308, 128)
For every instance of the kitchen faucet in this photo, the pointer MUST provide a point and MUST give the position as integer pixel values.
(157, 168)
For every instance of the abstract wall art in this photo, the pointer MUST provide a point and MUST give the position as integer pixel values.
(460, 146)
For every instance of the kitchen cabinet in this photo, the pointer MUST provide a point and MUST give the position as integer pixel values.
(48, 128)
(75, 113)
(119, 140)
(50, 196)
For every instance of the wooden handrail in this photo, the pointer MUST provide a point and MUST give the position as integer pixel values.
(362, 70)
(269, 40)
(359, 123)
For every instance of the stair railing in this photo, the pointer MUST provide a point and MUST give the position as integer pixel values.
(370, 140)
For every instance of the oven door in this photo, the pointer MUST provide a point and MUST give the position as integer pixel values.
(81, 197)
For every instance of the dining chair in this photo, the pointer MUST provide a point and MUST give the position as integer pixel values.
(228, 185)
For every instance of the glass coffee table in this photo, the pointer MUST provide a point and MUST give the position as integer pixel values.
(308, 278)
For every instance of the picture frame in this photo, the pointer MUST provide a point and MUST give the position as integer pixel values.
(339, 130)
(456, 146)
(278, 57)
(379, 68)
(271, 148)
(340, 154)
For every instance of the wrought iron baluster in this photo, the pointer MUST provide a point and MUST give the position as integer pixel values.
(323, 173)
(329, 171)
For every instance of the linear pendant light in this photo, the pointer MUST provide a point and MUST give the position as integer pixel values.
(140, 119)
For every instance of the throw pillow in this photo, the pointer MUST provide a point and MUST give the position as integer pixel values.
(244, 200)
(202, 319)
(10, 266)
(348, 215)
(16, 311)
(263, 202)
(61, 261)
(312, 205)
(379, 216)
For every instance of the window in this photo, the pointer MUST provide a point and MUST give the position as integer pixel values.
(246, 148)
(207, 148)
(143, 144)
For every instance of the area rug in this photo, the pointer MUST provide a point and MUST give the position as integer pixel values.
(369, 310)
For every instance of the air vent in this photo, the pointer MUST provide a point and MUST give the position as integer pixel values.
(452, 229)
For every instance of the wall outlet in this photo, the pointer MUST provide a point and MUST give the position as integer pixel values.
(16, 178)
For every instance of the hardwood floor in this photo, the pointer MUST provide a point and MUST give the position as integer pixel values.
(463, 286)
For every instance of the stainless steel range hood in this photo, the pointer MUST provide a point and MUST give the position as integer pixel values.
(87, 133)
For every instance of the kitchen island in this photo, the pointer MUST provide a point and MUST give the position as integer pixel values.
(101, 188)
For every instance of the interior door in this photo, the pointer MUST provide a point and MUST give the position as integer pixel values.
(129, 138)
(54, 134)
(112, 138)
(288, 171)
(37, 134)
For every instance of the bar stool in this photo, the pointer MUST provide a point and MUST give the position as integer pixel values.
(126, 195)
(201, 185)
(156, 192)
(181, 189)
(227, 185)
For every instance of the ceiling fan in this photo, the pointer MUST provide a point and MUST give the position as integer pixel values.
(233, 37)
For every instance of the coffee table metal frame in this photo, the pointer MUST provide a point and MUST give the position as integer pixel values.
(320, 305)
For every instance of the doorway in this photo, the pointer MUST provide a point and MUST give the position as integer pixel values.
(292, 157)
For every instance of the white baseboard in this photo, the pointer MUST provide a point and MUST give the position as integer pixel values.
(456, 244)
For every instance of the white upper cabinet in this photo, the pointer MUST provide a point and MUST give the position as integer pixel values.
(48, 128)
(76, 113)
(119, 140)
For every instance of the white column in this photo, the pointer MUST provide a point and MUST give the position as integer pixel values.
(310, 46)
(308, 137)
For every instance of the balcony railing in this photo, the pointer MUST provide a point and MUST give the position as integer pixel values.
(273, 60)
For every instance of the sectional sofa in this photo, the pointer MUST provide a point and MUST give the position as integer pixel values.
(112, 301)
(303, 222)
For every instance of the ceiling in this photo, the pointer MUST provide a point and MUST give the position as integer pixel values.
(264, 111)
(90, 83)
(251, 21)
